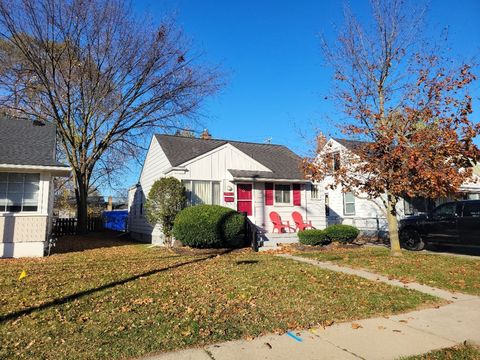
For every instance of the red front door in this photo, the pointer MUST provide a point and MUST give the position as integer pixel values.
(244, 198)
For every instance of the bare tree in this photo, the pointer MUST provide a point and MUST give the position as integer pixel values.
(410, 106)
(104, 77)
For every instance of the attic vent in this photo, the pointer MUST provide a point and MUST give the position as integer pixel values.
(38, 123)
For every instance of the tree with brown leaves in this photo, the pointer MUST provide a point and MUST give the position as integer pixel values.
(105, 78)
(411, 110)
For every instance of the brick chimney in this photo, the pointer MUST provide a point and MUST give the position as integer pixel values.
(205, 135)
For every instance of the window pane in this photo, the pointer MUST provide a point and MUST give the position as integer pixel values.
(3, 189)
(336, 161)
(349, 197)
(349, 203)
(31, 187)
(30, 199)
(15, 188)
(14, 202)
(201, 192)
(471, 209)
(349, 208)
(15, 178)
(447, 209)
(3, 177)
(282, 194)
(216, 193)
(33, 178)
(188, 190)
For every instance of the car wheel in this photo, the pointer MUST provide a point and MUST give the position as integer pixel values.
(411, 240)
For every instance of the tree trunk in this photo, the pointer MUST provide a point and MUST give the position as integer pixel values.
(393, 225)
(81, 193)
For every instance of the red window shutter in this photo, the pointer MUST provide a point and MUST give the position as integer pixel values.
(297, 195)
(268, 193)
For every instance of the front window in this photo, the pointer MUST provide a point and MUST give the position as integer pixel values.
(315, 191)
(348, 203)
(19, 192)
(202, 192)
(336, 161)
(282, 194)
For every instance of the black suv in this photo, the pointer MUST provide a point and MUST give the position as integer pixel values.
(452, 223)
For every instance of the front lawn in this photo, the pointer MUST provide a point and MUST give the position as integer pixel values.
(463, 352)
(129, 300)
(447, 272)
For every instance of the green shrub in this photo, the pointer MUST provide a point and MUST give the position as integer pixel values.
(342, 233)
(209, 226)
(313, 237)
(165, 200)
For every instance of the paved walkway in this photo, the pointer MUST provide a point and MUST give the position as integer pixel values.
(391, 337)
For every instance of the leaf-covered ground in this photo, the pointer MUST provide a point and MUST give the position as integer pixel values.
(448, 272)
(454, 353)
(129, 300)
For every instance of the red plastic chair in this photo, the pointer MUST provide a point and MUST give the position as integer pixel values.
(278, 224)
(299, 223)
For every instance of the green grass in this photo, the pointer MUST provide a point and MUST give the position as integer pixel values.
(454, 353)
(447, 272)
(129, 300)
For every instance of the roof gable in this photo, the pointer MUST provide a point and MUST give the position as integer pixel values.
(22, 142)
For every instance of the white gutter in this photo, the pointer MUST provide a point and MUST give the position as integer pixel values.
(271, 180)
(176, 168)
(55, 170)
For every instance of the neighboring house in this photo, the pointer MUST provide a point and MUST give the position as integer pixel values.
(27, 167)
(248, 177)
(357, 210)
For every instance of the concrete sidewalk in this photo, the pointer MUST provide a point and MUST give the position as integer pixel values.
(391, 337)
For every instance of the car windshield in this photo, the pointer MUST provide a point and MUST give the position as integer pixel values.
(448, 209)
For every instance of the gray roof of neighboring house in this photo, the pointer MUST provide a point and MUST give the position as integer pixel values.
(283, 163)
(24, 143)
(350, 144)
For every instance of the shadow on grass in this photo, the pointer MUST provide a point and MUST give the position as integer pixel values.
(104, 239)
(246, 262)
(65, 299)
(459, 250)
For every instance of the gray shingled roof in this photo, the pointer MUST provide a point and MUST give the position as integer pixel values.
(350, 144)
(24, 143)
(284, 163)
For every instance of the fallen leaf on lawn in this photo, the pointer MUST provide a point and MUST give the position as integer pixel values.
(403, 321)
(397, 331)
(356, 326)
(268, 345)
(328, 323)
(381, 327)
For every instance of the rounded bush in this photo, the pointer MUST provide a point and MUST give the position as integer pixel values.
(209, 226)
(313, 237)
(342, 233)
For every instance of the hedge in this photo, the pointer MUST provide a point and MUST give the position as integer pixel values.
(342, 233)
(209, 226)
(313, 237)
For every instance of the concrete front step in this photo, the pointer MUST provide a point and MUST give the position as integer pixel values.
(273, 241)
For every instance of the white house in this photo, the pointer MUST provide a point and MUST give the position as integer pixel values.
(248, 177)
(27, 167)
(365, 214)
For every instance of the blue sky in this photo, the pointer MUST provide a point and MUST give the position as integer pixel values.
(276, 83)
